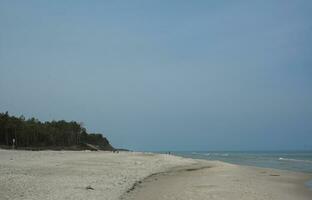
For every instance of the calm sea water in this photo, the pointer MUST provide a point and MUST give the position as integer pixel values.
(294, 161)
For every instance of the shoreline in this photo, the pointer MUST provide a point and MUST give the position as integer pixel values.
(106, 175)
(183, 184)
(193, 167)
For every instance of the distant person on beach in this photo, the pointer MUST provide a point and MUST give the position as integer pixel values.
(13, 143)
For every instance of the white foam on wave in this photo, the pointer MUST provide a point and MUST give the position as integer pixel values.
(212, 154)
(203, 154)
(220, 154)
(294, 160)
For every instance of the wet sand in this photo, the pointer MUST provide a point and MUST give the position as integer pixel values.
(222, 181)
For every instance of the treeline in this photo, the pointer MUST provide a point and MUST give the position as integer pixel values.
(21, 132)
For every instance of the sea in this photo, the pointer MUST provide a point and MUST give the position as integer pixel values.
(299, 161)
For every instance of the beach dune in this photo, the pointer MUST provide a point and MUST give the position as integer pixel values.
(128, 175)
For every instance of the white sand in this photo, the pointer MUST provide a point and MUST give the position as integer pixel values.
(66, 175)
(58, 175)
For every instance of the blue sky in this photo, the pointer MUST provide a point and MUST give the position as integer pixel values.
(163, 75)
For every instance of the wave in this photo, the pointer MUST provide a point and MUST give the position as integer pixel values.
(294, 160)
(211, 154)
(203, 154)
(220, 154)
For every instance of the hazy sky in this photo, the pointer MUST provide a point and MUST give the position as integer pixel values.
(163, 75)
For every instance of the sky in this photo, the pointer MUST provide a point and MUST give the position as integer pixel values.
(163, 75)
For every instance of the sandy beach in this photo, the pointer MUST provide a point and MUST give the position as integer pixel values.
(222, 181)
(128, 175)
